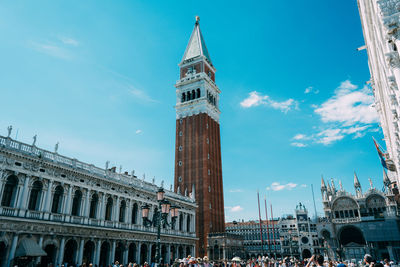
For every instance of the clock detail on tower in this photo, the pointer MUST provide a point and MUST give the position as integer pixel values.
(198, 165)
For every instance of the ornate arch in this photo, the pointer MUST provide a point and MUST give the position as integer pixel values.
(344, 202)
(375, 200)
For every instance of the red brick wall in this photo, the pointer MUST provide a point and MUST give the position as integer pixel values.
(197, 157)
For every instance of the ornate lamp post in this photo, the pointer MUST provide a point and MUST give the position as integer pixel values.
(160, 217)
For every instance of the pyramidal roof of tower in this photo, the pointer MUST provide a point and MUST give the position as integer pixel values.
(196, 46)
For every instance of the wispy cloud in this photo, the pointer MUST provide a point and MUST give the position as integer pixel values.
(140, 94)
(51, 50)
(349, 112)
(235, 191)
(276, 186)
(138, 131)
(311, 89)
(298, 144)
(256, 99)
(68, 41)
(349, 106)
(236, 209)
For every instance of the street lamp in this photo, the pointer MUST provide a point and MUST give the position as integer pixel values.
(164, 208)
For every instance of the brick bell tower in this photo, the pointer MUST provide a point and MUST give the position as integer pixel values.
(198, 165)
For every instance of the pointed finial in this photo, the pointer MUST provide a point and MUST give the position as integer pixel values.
(107, 164)
(197, 19)
(370, 183)
(356, 182)
(322, 182)
(340, 185)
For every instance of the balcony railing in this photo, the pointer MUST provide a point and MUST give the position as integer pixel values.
(55, 217)
(122, 178)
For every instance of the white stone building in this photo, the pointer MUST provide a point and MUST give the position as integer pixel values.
(380, 23)
(73, 212)
(298, 235)
(364, 222)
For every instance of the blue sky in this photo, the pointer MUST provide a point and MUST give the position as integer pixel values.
(98, 77)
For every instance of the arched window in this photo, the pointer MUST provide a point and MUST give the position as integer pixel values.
(134, 213)
(188, 223)
(109, 209)
(183, 97)
(57, 200)
(9, 191)
(181, 222)
(198, 92)
(122, 209)
(34, 199)
(76, 203)
(93, 206)
(193, 94)
(188, 96)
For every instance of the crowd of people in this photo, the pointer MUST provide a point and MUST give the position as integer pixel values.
(314, 261)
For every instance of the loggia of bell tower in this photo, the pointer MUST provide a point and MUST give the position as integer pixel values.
(198, 145)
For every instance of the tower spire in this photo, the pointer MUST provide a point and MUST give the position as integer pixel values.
(196, 46)
(323, 186)
(356, 182)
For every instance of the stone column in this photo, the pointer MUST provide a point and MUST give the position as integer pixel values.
(99, 208)
(47, 205)
(12, 250)
(149, 246)
(97, 255)
(128, 218)
(24, 195)
(112, 256)
(103, 209)
(40, 245)
(116, 213)
(138, 247)
(168, 256)
(80, 255)
(67, 206)
(125, 255)
(87, 203)
(61, 252)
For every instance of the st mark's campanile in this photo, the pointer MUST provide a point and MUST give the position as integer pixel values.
(198, 144)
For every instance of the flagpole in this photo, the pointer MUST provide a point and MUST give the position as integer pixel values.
(266, 216)
(273, 231)
(259, 216)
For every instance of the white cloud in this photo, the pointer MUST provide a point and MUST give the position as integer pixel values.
(51, 50)
(256, 99)
(303, 185)
(140, 94)
(300, 137)
(236, 191)
(68, 41)
(138, 131)
(236, 209)
(276, 186)
(349, 112)
(311, 89)
(297, 144)
(349, 105)
(329, 136)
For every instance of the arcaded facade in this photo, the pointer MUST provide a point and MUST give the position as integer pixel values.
(68, 211)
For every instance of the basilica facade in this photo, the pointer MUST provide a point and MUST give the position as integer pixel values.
(364, 222)
(56, 209)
